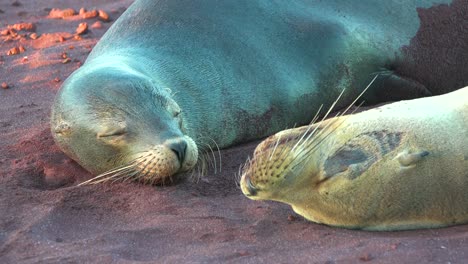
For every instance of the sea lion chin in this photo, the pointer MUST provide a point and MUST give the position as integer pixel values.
(118, 124)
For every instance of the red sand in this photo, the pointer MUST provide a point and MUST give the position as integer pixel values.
(45, 218)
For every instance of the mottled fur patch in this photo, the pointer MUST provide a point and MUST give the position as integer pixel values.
(359, 153)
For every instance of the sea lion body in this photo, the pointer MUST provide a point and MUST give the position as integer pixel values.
(216, 73)
(399, 166)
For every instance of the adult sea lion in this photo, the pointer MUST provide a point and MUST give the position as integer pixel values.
(173, 77)
(399, 166)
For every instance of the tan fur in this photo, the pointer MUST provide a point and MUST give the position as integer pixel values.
(400, 166)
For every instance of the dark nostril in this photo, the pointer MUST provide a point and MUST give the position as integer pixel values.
(179, 147)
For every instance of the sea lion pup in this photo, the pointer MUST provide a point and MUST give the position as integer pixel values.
(173, 78)
(399, 166)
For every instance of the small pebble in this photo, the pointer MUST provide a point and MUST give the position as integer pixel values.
(89, 14)
(57, 13)
(23, 26)
(103, 15)
(33, 36)
(13, 51)
(5, 85)
(97, 25)
(12, 32)
(82, 28)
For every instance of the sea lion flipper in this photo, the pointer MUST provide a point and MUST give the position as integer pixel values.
(389, 86)
(408, 159)
(361, 152)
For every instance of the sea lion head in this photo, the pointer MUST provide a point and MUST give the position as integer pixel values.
(117, 123)
(277, 168)
(288, 162)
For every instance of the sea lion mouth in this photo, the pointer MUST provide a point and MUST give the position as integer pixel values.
(156, 165)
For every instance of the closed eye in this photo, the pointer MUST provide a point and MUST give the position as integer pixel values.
(112, 133)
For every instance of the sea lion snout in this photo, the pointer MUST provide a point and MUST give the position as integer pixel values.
(247, 187)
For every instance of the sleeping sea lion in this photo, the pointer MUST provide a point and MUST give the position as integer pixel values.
(174, 78)
(400, 166)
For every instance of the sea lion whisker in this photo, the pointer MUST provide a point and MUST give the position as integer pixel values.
(243, 165)
(205, 156)
(142, 176)
(281, 154)
(146, 168)
(337, 115)
(130, 176)
(307, 149)
(206, 163)
(152, 181)
(214, 158)
(123, 177)
(271, 154)
(362, 93)
(311, 149)
(220, 157)
(327, 113)
(117, 170)
(308, 128)
(218, 150)
(313, 136)
(199, 171)
(195, 173)
(109, 177)
(237, 180)
(274, 148)
(238, 176)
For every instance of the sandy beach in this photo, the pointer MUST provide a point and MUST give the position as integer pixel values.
(46, 218)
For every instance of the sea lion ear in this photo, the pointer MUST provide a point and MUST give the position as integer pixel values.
(409, 159)
(173, 108)
(62, 129)
(168, 90)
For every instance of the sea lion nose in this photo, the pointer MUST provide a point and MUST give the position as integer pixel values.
(179, 147)
(250, 187)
